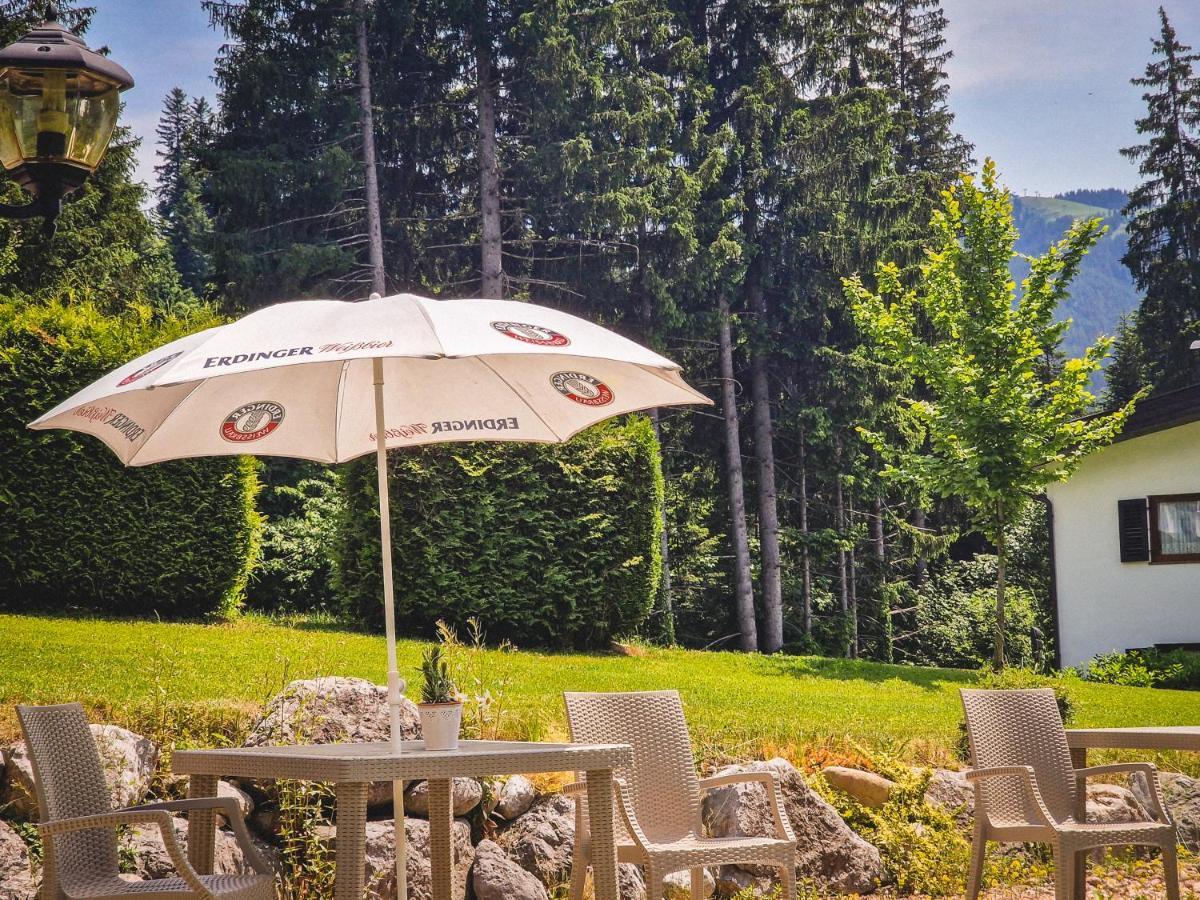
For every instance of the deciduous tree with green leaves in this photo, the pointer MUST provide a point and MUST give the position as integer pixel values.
(994, 424)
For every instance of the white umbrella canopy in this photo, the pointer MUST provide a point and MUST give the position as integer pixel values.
(296, 380)
(331, 380)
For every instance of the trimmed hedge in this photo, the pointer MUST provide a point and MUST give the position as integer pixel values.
(80, 530)
(549, 545)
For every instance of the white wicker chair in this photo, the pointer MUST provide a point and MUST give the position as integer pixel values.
(1027, 791)
(657, 816)
(79, 826)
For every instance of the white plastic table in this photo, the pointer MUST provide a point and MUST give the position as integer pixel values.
(352, 767)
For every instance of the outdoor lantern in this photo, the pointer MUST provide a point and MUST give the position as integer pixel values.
(58, 107)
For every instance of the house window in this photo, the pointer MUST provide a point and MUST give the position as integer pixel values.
(1175, 528)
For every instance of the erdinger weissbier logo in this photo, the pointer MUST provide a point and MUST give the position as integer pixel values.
(252, 421)
(532, 334)
(582, 388)
(146, 370)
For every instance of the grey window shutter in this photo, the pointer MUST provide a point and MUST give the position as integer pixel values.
(1134, 530)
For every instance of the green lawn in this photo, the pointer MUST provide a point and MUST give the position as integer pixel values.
(203, 680)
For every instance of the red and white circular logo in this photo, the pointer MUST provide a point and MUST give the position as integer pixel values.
(146, 370)
(252, 421)
(532, 334)
(582, 388)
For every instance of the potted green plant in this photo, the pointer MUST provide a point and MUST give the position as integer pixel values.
(440, 709)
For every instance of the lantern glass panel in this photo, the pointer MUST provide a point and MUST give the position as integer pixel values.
(55, 114)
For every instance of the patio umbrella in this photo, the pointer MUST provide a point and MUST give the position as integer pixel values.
(330, 381)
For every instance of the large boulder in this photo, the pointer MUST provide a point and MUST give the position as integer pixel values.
(465, 794)
(1111, 804)
(1181, 794)
(244, 801)
(542, 840)
(949, 790)
(827, 851)
(496, 877)
(381, 859)
(331, 710)
(16, 874)
(334, 710)
(515, 797)
(143, 853)
(129, 761)
(867, 788)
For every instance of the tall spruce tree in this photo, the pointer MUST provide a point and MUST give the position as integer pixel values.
(1164, 220)
(184, 129)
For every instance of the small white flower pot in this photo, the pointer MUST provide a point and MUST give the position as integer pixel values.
(440, 723)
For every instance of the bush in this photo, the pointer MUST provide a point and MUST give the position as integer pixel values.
(955, 615)
(78, 528)
(552, 546)
(1178, 669)
(295, 574)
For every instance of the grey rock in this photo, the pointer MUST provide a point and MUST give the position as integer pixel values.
(465, 794)
(16, 874)
(542, 840)
(381, 859)
(496, 877)
(515, 797)
(950, 790)
(129, 762)
(678, 885)
(244, 801)
(1112, 804)
(827, 850)
(144, 854)
(333, 710)
(1181, 795)
(17, 798)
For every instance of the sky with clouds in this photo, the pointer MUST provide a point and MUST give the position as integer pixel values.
(1041, 86)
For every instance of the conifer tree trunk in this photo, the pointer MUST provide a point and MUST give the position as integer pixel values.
(491, 259)
(647, 316)
(852, 566)
(879, 545)
(367, 118)
(805, 564)
(743, 583)
(768, 505)
(918, 521)
(998, 660)
(839, 520)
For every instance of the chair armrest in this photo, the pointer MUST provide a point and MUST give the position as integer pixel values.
(134, 816)
(770, 780)
(1028, 784)
(233, 815)
(578, 789)
(628, 816)
(1149, 770)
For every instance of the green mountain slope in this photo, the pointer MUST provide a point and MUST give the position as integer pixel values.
(1103, 290)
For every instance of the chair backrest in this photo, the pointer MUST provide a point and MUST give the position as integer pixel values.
(1020, 728)
(69, 782)
(662, 779)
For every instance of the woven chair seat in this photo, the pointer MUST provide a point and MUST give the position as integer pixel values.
(233, 887)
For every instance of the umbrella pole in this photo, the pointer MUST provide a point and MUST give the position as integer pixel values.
(395, 685)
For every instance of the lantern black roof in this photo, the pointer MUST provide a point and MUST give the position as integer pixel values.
(53, 46)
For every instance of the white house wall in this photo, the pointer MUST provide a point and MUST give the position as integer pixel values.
(1103, 603)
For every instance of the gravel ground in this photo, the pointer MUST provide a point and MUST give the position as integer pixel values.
(1140, 880)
